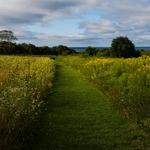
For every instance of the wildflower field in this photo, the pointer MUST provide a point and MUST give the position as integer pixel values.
(24, 83)
(114, 107)
(126, 81)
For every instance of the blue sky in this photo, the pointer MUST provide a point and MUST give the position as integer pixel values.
(76, 22)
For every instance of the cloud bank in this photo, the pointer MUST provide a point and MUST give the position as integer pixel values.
(97, 21)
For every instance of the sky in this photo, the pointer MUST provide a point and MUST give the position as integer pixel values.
(76, 23)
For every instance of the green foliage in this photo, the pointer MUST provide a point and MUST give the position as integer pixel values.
(145, 52)
(91, 51)
(80, 117)
(24, 85)
(105, 52)
(122, 47)
(30, 49)
(137, 53)
(126, 81)
(62, 50)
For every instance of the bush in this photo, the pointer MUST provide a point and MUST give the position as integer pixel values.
(105, 52)
(91, 51)
(62, 50)
(123, 47)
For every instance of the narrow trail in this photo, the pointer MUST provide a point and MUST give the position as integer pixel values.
(79, 117)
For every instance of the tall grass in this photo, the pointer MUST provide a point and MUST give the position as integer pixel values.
(24, 82)
(127, 81)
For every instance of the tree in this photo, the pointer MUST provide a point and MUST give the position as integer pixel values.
(123, 47)
(91, 51)
(104, 52)
(6, 35)
(62, 50)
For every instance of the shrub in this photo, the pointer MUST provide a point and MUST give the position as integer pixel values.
(91, 51)
(105, 52)
(122, 47)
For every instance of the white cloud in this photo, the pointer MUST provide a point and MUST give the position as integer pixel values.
(101, 27)
(130, 18)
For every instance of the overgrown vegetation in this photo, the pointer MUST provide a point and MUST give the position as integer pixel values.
(24, 84)
(127, 82)
(80, 117)
(30, 49)
(121, 47)
(145, 52)
(91, 51)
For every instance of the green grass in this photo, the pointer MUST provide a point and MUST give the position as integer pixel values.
(80, 117)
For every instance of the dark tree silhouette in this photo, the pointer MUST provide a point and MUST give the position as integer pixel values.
(123, 47)
(91, 51)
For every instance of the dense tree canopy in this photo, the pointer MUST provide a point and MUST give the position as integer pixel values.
(91, 51)
(30, 49)
(123, 47)
(104, 52)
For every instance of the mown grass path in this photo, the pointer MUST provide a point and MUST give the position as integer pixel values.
(80, 117)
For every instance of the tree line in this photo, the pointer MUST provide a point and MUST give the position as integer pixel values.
(120, 47)
(7, 46)
(30, 49)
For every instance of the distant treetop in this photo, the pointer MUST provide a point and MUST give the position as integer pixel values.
(7, 35)
(123, 47)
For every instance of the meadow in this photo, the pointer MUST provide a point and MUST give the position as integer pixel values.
(25, 81)
(93, 102)
(125, 81)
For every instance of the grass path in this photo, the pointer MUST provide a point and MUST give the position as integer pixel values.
(79, 117)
